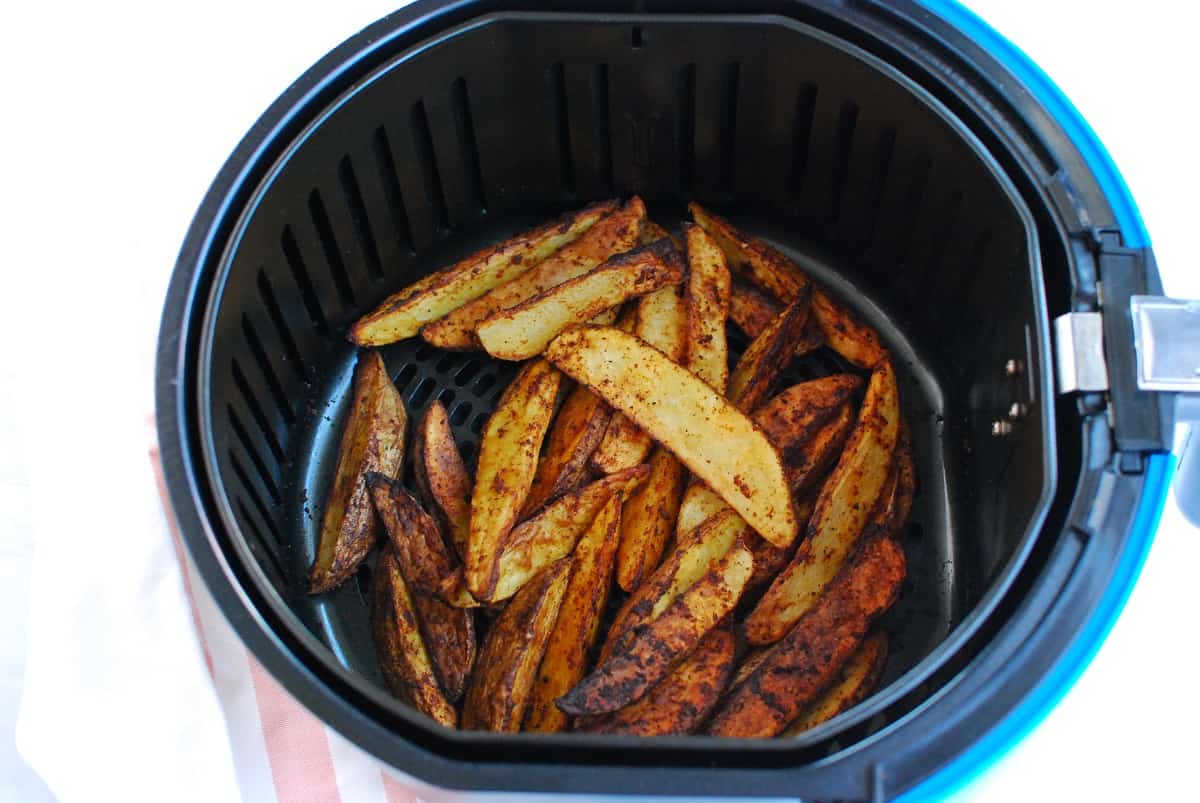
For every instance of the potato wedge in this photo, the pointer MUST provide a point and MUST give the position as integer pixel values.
(372, 440)
(651, 232)
(752, 310)
(524, 331)
(719, 444)
(554, 531)
(648, 519)
(751, 661)
(842, 509)
(508, 453)
(809, 423)
(577, 431)
(707, 295)
(699, 503)
(578, 618)
(512, 652)
(682, 700)
(441, 477)
(770, 560)
(403, 658)
(800, 666)
(857, 679)
(767, 355)
(402, 314)
(845, 334)
(760, 263)
(614, 234)
(657, 648)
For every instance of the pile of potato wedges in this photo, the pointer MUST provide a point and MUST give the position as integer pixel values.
(743, 530)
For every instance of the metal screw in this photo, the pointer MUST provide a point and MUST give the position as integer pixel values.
(1013, 367)
(1001, 429)
(1016, 411)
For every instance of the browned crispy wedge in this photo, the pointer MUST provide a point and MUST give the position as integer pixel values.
(654, 650)
(578, 618)
(524, 331)
(512, 652)
(648, 519)
(403, 658)
(508, 453)
(767, 355)
(842, 509)
(770, 560)
(682, 700)
(751, 310)
(555, 530)
(751, 661)
(651, 231)
(441, 476)
(577, 430)
(857, 679)
(718, 444)
(614, 234)
(809, 657)
(761, 263)
(402, 314)
(844, 333)
(707, 295)
(699, 503)
(809, 423)
(372, 440)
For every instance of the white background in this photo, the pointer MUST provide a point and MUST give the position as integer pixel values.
(117, 115)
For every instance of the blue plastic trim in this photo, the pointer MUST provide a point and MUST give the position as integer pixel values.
(1129, 219)
(1052, 688)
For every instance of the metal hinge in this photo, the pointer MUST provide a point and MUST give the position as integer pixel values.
(1079, 347)
(1166, 340)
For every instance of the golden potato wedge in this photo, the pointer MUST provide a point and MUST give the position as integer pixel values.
(441, 476)
(707, 295)
(760, 263)
(682, 700)
(554, 531)
(842, 509)
(577, 431)
(654, 650)
(508, 453)
(699, 503)
(845, 334)
(797, 668)
(767, 355)
(624, 444)
(718, 444)
(857, 679)
(651, 232)
(578, 618)
(402, 314)
(512, 652)
(808, 424)
(648, 519)
(372, 440)
(524, 331)
(614, 234)
(770, 560)
(403, 658)
(752, 310)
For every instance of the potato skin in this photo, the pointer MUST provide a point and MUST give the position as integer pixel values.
(768, 354)
(808, 424)
(707, 294)
(856, 680)
(441, 477)
(648, 519)
(752, 310)
(576, 432)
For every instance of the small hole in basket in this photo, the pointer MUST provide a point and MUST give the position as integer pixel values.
(477, 424)
(446, 396)
(484, 383)
(467, 372)
(405, 376)
(423, 392)
(460, 414)
(424, 352)
(637, 37)
(446, 363)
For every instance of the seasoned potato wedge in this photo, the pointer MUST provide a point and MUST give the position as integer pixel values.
(751, 661)
(524, 331)
(577, 430)
(372, 440)
(441, 477)
(554, 531)
(403, 658)
(767, 355)
(707, 295)
(449, 635)
(752, 310)
(845, 334)
(809, 657)
(760, 263)
(699, 503)
(651, 232)
(845, 502)
(578, 618)
(654, 650)
(856, 680)
(679, 703)
(402, 314)
(809, 423)
(770, 560)
(614, 234)
(508, 453)
(648, 519)
(719, 444)
(512, 652)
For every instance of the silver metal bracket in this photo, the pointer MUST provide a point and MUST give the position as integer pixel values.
(1079, 346)
(1166, 339)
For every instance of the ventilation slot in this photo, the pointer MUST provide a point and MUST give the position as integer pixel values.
(405, 376)
(806, 104)
(727, 124)
(291, 253)
(600, 118)
(477, 424)
(386, 166)
(460, 414)
(434, 193)
(874, 196)
(685, 126)
(244, 438)
(256, 412)
(468, 146)
(484, 384)
(292, 353)
(945, 232)
(422, 392)
(358, 216)
(465, 374)
(329, 245)
(921, 168)
(556, 88)
(842, 148)
(264, 366)
(446, 397)
(270, 547)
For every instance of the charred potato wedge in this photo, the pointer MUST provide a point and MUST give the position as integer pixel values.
(767, 355)
(372, 440)
(402, 314)
(577, 431)
(508, 453)
(707, 294)
(809, 423)
(648, 519)
(718, 444)
(441, 477)
(752, 311)
(857, 679)
(614, 234)
(524, 331)
(770, 560)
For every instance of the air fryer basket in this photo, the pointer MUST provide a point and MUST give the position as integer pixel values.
(442, 129)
